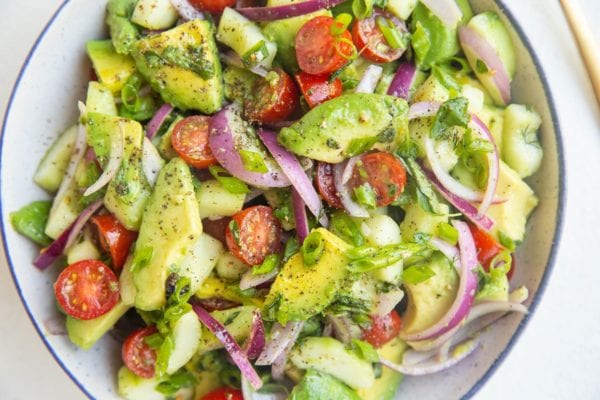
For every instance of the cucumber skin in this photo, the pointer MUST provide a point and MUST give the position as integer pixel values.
(50, 171)
(521, 149)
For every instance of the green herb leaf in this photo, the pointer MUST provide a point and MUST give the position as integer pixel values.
(291, 248)
(365, 350)
(454, 112)
(177, 381)
(313, 248)
(230, 183)
(366, 196)
(253, 161)
(163, 354)
(269, 264)
(426, 196)
(365, 258)
(362, 8)
(30, 221)
(417, 274)
(343, 226)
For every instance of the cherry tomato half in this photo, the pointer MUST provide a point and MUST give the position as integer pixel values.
(488, 248)
(318, 89)
(190, 141)
(137, 355)
(326, 186)
(384, 173)
(114, 238)
(253, 234)
(370, 41)
(224, 393)
(212, 6)
(383, 329)
(318, 50)
(87, 289)
(273, 100)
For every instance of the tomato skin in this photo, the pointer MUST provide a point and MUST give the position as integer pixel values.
(384, 173)
(114, 238)
(258, 234)
(212, 6)
(274, 100)
(318, 89)
(138, 357)
(87, 289)
(383, 329)
(371, 43)
(326, 185)
(190, 141)
(318, 51)
(224, 393)
(488, 248)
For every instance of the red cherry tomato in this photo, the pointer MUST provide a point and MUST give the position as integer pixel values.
(114, 238)
(190, 141)
(273, 100)
(370, 41)
(318, 89)
(383, 329)
(137, 355)
(384, 173)
(224, 393)
(488, 248)
(212, 6)
(87, 289)
(253, 234)
(326, 186)
(318, 50)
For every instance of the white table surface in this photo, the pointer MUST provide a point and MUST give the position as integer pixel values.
(558, 355)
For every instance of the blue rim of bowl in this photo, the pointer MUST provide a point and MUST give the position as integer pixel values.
(547, 272)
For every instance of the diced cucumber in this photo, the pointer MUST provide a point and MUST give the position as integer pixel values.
(417, 220)
(186, 339)
(401, 8)
(126, 285)
(65, 210)
(100, 99)
(84, 250)
(200, 260)
(446, 152)
(154, 14)
(493, 118)
(112, 69)
(238, 321)
(328, 355)
(246, 39)
(50, 172)
(85, 333)
(216, 201)
(432, 90)
(474, 95)
(230, 267)
(132, 387)
(521, 148)
(381, 230)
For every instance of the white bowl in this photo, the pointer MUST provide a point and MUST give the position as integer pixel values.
(43, 104)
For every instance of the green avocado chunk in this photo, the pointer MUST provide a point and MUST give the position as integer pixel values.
(122, 31)
(348, 125)
(30, 221)
(182, 64)
(386, 386)
(318, 385)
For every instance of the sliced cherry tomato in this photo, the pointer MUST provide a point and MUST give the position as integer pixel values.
(370, 41)
(383, 329)
(488, 248)
(326, 185)
(190, 141)
(318, 89)
(87, 289)
(319, 50)
(273, 99)
(137, 355)
(224, 393)
(212, 6)
(384, 173)
(114, 238)
(253, 234)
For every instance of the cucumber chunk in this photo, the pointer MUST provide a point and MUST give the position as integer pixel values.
(154, 14)
(50, 172)
(84, 250)
(521, 148)
(186, 338)
(132, 387)
(215, 201)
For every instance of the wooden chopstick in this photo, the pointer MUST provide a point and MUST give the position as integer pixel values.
(585, 40)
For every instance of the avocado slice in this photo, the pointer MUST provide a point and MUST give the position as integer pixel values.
(122, 31)
(301, 291)
(171, 225)
(386, 386)
(113, 69)
(182, 64)
(337, 128)
(85, 333)
(319, 385)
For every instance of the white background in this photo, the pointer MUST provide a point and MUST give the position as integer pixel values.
(558, 355)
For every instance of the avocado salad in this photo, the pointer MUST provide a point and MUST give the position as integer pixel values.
(289, 199)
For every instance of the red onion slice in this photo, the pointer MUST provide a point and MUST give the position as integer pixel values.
(342, 173)
(256, 340)
(300, 216)
(466, 289)
(403, 80)
(294, 171)
(280, 338)
(81, 221)
(152, 162)
(237, 355)
(472, 42)
(278, 366)
(493, 165)
(114, 162)
(157, 120)
(187, 11)
(249, 280)
(369, 81)
(286, 11)
(446, 10)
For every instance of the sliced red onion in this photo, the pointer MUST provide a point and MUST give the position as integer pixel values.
(403, 80)
(286, 11)
(343, 328)
(493, 165)
(158, 119)
(56, 249)
(280, 338)
(431, 367)
(446, 10)
(451, 252)
(187, 11)
(342, 173)
(249, 280)
(370, 78)
(233, 59)
(256, 340)
(237, 355)
(294, 171)
(278, 366)
(152, 162)
(473, 43)
(113, 165)
(55, 326)
(228, 134)
(386, 302)
(300, 216)
(466, 289)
